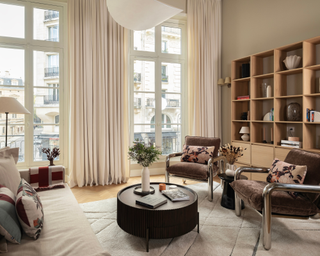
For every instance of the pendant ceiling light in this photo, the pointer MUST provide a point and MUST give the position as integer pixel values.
(140, 14)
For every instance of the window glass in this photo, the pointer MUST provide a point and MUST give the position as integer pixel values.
(170, 40)
(46, 25)
(143, 76)
(45, 68)
(171, 77)
(12, 20)
(44, 136)
(144, 40)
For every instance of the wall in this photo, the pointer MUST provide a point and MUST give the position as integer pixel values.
(253, 26)
(182, 4)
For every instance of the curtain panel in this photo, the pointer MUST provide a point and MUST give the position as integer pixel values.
(204, 67)
(99, 123)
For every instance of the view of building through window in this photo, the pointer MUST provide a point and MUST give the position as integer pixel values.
(45, 85)
(147, 93)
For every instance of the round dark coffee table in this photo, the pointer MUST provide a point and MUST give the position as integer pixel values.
(169, 220)
(228, 198)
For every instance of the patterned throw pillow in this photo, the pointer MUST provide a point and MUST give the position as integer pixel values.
(29, 210)
(9, 223)
(283, 172)
(9, 174)
(197, 154)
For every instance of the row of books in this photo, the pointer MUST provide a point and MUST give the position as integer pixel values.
(291, 144)
(245, 97)
(153, 201)
(312, 115)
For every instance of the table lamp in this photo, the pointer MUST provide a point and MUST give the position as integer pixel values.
(245, 131)
(13, 106)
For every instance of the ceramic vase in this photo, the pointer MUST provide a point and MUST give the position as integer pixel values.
(51, 162)
(145, 179)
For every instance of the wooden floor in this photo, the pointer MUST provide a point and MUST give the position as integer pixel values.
(95, 193)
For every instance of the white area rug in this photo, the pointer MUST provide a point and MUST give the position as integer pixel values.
(221, 232)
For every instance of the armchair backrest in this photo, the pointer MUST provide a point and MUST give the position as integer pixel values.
(203, 141)
(312, 161)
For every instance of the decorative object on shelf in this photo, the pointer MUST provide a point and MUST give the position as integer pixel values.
(145, 156)
(245, 97)
(267, 117)
(245, 131)
(314, 116)
(294, 112)
(231, 153)
(227, 82)
(244, 116)
(12, 106)
(245, 70)
(291, 136)
(292, 61)
(230, 169)
(271, 142)
(269, 91)
(51, 154)
(264, 135)
(264, 90)
(140, 14)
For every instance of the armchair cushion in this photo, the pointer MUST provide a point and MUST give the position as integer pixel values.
(191, 170)
(197, 154)
(204, 141)
(250, 191)
(312, 161)
(282, 172)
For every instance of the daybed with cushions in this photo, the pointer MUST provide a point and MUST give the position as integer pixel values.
(65, 231)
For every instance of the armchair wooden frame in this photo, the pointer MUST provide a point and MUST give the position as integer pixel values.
(221, 168)
(267, 197)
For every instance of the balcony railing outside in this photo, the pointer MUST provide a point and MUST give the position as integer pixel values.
(171, 30)
(51, 99)
(50, 15)
(164, 78)
(171, 103)
(137, 77)
(53, 39)
(53, 71)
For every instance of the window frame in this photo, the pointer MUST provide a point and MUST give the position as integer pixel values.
(159, 57)
(29, 45)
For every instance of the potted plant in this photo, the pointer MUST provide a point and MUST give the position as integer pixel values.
(232, 154)
(145, 155)
(51, 154)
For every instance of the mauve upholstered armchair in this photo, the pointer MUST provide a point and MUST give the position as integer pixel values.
(196, 171)
(272, 199)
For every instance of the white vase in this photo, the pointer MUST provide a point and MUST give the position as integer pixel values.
(231, 168)
(145, 179)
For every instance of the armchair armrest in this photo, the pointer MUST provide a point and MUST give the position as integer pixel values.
(240, 170)
(222, 166)
(290, 187)
(170, 156)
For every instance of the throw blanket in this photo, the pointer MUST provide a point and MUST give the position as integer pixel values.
(44, 178)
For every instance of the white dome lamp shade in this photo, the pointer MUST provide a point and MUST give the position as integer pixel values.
(245, 131)
(140, 14)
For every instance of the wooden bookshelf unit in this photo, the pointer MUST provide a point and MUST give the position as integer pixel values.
(300, 85)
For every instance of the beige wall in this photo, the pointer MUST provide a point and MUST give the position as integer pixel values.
(182, 4)
(252, 26)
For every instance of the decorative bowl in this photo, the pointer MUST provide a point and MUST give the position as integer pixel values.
(292, 61)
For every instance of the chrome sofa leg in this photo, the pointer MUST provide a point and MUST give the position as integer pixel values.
(237, 204)
(266, 222)
(210, 186)
(167, 177)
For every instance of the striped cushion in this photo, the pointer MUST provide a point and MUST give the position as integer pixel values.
(29, 210)
(9, 223)
(46, 177)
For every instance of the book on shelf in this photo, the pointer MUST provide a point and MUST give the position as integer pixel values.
(289, 146)
(175, 195)
(151, 201)
(245, 97)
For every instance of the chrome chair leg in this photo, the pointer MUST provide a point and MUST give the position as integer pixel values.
(210, 186)
(266, 221)
(237, 204)
(167, 177)
(184, 181)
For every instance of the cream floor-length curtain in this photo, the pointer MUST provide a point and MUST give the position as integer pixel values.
(204, 67)
(99, 126)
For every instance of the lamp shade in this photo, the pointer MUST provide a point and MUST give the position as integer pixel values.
(227, 80)
(220, 81)
(11, 105)
(140, 14)
(244, 129)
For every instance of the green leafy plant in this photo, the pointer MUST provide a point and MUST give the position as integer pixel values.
(144, 155)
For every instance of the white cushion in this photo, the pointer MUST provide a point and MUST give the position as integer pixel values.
(7, 152)
(9, 174)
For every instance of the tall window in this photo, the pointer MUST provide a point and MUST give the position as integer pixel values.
(158, 85)
(36, 60)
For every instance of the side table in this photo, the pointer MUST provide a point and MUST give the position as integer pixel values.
(227, 198)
